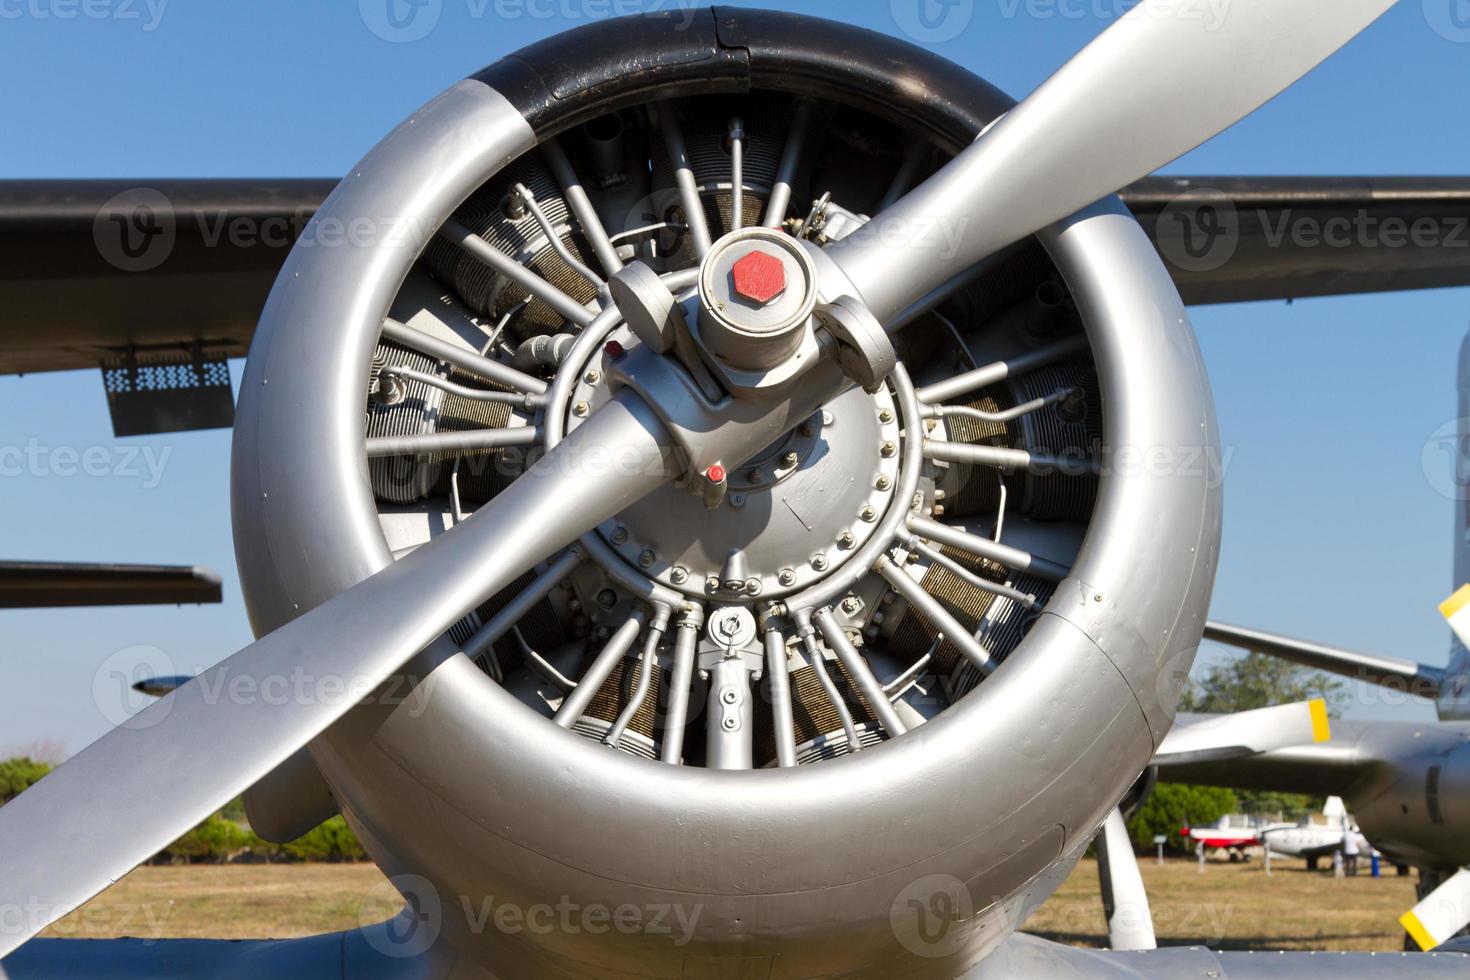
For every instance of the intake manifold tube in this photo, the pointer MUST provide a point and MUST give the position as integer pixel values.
(543, 351)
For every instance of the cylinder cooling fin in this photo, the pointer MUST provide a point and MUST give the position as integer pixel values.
(929, 628)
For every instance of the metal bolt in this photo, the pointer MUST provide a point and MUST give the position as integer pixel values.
(852, 605)
(607, 598)
(890, 448)
(846, 539)
(826, 418)
(679, 575)
(729, 696)
(620, 535)
(581, 410)
(790, 460)
(819, 562)
(730, 723)
(787, 576)
(647, 559)
(593, 377)
(759, 276)
(868, 514)
(711, 584)
(753, 586)
(884, 483)
(885, 416)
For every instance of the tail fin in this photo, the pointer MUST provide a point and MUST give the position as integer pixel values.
(1454, 697)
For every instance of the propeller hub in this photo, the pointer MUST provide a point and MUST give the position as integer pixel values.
(794, 513)
(757, 292)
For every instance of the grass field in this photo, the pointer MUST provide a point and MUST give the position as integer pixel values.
(1229, 906)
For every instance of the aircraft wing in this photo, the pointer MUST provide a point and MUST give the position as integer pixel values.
(157, 283)
(1394, 672)
(1362, 755)
(1322, 850)
(1218, 738)
(1034, 957)
(91, 268)
(149, 278)
(44, 585)
(1234, 239)
(397, 952)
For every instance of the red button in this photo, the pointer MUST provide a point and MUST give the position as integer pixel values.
(759, 276)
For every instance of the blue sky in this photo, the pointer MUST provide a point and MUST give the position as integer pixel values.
(1336, 528)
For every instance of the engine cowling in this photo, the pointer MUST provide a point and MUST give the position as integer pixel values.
(960, 721)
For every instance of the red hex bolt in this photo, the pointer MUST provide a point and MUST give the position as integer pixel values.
(759, 277)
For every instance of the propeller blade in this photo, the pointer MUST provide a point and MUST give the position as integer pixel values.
(1445, 912)
(1155, 85)
(1211, 738)
(214, 743)
(1125, 900)
(1456, 612)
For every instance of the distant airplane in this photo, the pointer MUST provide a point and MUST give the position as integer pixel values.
(1223, 837)
(1314, 841)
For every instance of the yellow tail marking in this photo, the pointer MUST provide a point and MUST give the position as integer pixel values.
(1321, 726)
(1456, 602)
(1416, 931)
